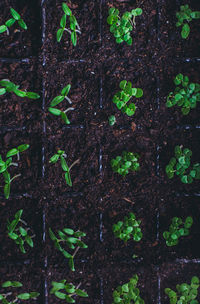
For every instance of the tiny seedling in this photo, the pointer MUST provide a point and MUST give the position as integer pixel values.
(181, 166)
(72, 240)
(62, 155)
(6, 86)
(112, 120)
(58, 99)
(129, 228)
(74, 27)
(15, 17)
(121, 27)
(66, 291)
(18, 233)
(177, 229)
(128, 161)
(17, 298)
(184, 16)
(128, 293)
(4, 165)
(186, 94)
(122, 97)
(185, 294)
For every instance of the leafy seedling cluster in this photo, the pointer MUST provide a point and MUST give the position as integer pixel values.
(177, 229)
(128, 293)
(185, 294)
(4, 165)
(184, 16)
(181, 166)
(121, 27)
(15, 17)
(186, 95)
(57, 100)
(66, 291)
(122, 97)
(74, 28)
(125, 163)
(129, 228)
(6, 86)
(72, 240)
(18, 233)
(5, 297)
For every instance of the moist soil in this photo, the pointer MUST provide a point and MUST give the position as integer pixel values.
(98, 197)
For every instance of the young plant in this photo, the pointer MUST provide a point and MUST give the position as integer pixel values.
(122, 97)
(6, 86)
(74, 27)
(62, 155)
(58, 99)
(4, 165)
(121, 27)
(71, 239)
(112, 120)
(15, 17)
(186, 95)
(129, 228)
(177, 229)
(185, 294)
(181, 166)
(125, 163)
(5, 297)
(18, 233)
(184, 16)
(66, 291)
(128, 293)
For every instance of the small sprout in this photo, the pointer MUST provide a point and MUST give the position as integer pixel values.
(128, 161)
(58, 99)
(177, 229)
(15, 17)
(4, 165)
(128, 293)
(19, 234)
(121, 27)
(122, 97)
(62, 155)
(129, 228)
(6, 86)
(181, 166)
(185, 294)
(186, 95)
(184, 16)
(112, 120)
(72, 240)
(66, 291)
(5, 297)
(74, 27)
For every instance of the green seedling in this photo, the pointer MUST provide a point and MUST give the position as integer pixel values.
(71, 239)
(73, 29)
(6, 86)
(177, 229)
(17, 298)
(58, 99)
(122, 97)
(4, 165)
(129, 228)
(125, 163)
(185, 294)
(128, 293)
(18, 233)
(66, 291)
(15, 17)
(62, 155)
(186, 94)
(112, 120)
(121, 27)
(184, 16)
(181, 166)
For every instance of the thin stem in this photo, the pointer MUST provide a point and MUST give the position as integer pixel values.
(75, 252)
(78, 31)
(69, 100)
(69, 109)
(14, 164)
(18, 158)
(15, 177)
(23, 222)
(7, 30)
(65, 29)
(74, 163)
